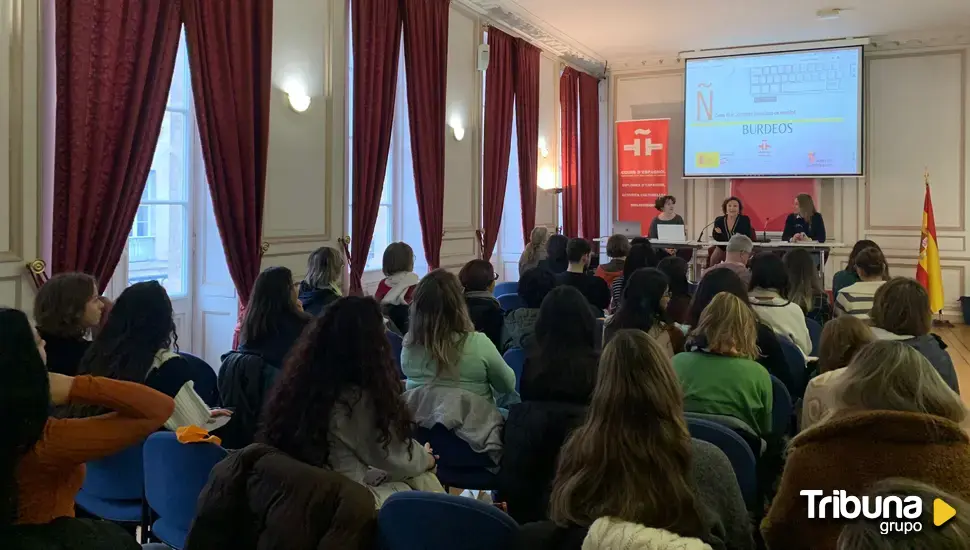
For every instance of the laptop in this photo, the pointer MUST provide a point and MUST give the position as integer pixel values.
(671, 233)
(627, 229)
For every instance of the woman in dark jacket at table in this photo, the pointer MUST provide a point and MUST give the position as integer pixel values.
(732, 222)
(805, 223)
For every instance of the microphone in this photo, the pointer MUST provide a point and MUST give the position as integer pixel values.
(764, 232)
(701, 234)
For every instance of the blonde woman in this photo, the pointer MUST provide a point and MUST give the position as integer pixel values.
(631, 470)
(897, 419)
(719, 374)
(442, 347)
(322, 284)
(805, 223)
(535, 251)
(842, 339)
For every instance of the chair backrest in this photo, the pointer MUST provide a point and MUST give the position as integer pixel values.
(510, 302)
(452, 450)
(204, 377)
(439, 521)
(796, 364)
(508, 287)
(781, 408)
(120, 476)
(815, 332)
(175, 474)
(515, 358)
(738, 453)
(397, 345)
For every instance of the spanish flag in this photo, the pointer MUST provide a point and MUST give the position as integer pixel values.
(928, 269)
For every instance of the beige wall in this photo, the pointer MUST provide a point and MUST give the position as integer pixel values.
(917, 103)
(20, 23)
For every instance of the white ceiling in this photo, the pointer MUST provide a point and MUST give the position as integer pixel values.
(623, 29)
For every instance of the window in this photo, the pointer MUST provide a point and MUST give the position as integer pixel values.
(158, 243)
(397, 214)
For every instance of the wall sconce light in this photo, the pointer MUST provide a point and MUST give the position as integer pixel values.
(298, 98)
(543, 148)
(457, 129)
(547, 180)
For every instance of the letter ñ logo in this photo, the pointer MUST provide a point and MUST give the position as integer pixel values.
(705, 103)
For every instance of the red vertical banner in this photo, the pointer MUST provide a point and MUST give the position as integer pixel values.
(641, 167)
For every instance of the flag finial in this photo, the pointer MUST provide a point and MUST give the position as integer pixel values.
(926, 175)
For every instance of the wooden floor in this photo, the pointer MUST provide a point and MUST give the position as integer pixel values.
(957, 339)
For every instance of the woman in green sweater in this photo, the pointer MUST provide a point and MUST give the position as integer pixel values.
(719, 375)
(442, 347)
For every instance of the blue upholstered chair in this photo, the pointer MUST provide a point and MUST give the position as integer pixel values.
(738, 453)
(511, 302)
(508, 287)
(433, 521)
(459, 465)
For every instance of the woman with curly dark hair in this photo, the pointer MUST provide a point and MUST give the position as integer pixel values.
(42, 458)
(136, 344)
(66, 308)
(337, 403)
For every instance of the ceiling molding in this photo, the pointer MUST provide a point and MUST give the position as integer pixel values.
(509, 16)
(883, 43)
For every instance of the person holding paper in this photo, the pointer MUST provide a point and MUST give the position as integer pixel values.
(805, 223)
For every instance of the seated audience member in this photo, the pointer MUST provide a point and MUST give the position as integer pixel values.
(595, 290)
(337, 404)
(866, 534)
(675, 268)
(644, 307)
(42, 458)
(632, 465)
(740, 249)
(617, 247)
(557, 382)
(901, 312)
(135, 345)
(535, 251)
(719, 375)
(805, 287)
(897, 419)
(641, 255)
(556, 260)
(274, 317)
(534, 285)
(769, 286)
(770, 354)
(442, 346)
(66, 307)
(842, 339)
(478, 279)
(849, 275)
(856, 299)
(396, 289)
(273, 322)
(321, 286)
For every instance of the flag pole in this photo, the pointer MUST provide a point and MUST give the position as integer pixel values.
(939, 321)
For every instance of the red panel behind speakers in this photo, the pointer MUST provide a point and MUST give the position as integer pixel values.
(771, 199)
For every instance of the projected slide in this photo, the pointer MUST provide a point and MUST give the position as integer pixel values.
(778, 114)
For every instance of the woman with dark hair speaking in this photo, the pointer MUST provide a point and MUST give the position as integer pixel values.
(732, 222)
(337, 404)
(41, 458)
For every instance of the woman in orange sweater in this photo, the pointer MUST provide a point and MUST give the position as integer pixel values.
(42, 458)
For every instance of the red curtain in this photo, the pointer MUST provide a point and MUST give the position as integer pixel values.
(499, 97)
(569, 144)
(115, 60)
(376, 27)
(527, 125)
(426, 56)
(230, 52)
(589, 155)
